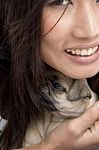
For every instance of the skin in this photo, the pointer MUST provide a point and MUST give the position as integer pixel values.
(78, 28)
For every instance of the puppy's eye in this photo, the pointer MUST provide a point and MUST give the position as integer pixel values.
(57, 86)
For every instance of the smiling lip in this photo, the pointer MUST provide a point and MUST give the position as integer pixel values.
(88, 45)
(84, 60)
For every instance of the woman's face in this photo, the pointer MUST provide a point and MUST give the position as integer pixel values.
(71, 46)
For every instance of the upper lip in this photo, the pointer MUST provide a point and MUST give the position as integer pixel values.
(90, 45)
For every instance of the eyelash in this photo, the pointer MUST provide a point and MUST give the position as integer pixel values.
(60, 2)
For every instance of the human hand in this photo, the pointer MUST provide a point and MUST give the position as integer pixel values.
(77, 134)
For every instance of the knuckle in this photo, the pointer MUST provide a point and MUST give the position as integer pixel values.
(91, 116)
(72, 130)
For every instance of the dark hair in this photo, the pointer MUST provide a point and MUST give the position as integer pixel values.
(19, 102)
(20, 43)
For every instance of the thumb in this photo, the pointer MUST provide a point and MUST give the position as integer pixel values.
(87, 119)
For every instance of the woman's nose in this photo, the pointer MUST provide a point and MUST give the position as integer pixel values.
(86, 23)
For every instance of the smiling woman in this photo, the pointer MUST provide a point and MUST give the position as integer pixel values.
(77, 38)
(45, 35)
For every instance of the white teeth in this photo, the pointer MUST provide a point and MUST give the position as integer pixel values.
(82, 52)
(77, 52)
(73, 52)
(68, 50)
(90, 51)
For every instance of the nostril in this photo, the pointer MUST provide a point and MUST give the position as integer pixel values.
(76, 98)
(88, 97)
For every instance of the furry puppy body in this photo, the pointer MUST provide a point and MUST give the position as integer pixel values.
(70, 97)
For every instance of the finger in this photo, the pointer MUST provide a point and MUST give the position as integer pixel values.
(87, 119)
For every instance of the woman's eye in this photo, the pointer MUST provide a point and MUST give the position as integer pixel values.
(97, 1)
(59, 2)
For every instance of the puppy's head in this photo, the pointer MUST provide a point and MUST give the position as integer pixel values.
(70, 97)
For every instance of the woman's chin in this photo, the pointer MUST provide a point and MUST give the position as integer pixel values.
(84, 75)
(81, 75)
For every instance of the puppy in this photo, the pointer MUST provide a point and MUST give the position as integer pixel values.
(70, 97)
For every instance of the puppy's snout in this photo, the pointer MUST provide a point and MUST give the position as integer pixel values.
(79, 91)
(80, 95)
(84, 98)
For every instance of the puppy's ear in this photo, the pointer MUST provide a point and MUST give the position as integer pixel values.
(79, 90)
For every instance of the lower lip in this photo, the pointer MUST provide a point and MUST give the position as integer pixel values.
(84, 60)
